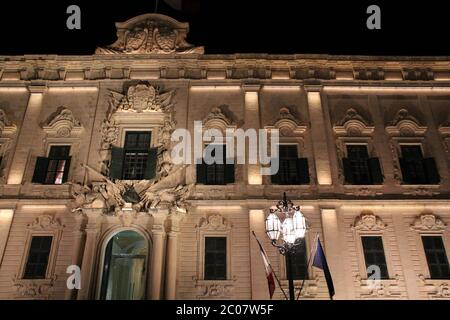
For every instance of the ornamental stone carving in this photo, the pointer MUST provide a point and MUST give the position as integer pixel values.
(214, 222)
(150, 34)
(368, 222)
(405, 125)
(214, 290)
(45, 222)
(62, 124)
(38, 289)
(142, 97)
(6, 126)
(381, 289)
(353, 124)
(428, 222)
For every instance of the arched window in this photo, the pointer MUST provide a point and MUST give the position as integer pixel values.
(124, 267)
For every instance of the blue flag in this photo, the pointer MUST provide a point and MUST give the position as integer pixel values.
(321, 262)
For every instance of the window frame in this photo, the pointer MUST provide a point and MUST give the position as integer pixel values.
(365, 144)
(28, 256)
(361, 232)
(36, 228)
(441, 236)
(384, 253)
(127, 131)
(206, 228)
(204, 258)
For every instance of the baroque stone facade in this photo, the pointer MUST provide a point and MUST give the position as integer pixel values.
(152, 80)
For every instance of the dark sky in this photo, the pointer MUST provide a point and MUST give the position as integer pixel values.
(244, 26)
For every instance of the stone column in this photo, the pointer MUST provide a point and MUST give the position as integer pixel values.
(172, 256)
(6, 217)
(94, 216)
(319, 135)
(252, 121)
(333, 252)
(156, 275)
(78, 237)
(258, 275)
(27, 134)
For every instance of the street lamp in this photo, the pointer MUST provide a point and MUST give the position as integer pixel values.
(286, 220)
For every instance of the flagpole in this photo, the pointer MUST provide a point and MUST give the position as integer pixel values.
(311, 254)
(270, 265)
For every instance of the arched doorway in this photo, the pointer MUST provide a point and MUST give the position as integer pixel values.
(124, 267)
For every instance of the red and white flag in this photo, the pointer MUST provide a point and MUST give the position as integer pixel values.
(267, 267)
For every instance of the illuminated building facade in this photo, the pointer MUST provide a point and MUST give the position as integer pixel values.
(87, 178)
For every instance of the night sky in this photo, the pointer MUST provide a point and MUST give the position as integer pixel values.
(244, 26)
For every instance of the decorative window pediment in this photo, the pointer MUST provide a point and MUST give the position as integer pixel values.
(353, 124)
(217, 118)
(405, 125)
(287, 123)
(214, 222)
(150, 33)
(367, 221)
(428, 222)
(63, 124)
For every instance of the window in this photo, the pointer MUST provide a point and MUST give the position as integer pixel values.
(292, 169)
(299, 262)
(216, 173)
(55, 168)
(359, 169)
(136, 160)
(415, 168)
(36, 266)
(215, 258)
(374, 254)
(436, 257)
(124, 267)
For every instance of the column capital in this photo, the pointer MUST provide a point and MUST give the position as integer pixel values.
(254, 87)
(313, 87)
(37, 88)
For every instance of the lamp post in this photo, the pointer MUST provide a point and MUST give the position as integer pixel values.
(286, 220)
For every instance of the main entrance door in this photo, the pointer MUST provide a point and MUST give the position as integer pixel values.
(124, 267)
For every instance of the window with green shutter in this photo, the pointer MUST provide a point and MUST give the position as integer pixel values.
(136, 160)
(53, 169)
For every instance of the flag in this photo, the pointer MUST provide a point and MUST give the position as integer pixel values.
(268, 268)
(185, 6)
(321, 262)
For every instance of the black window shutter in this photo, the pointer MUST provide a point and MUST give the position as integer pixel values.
(302, 171)
(115, 168)
(229, 173)
(404, 168)
(429, 165)
(66, 169)
(150, 171)
(348, 173)
(201, 173)
(40, 170)
(275, 178)
(375, 170)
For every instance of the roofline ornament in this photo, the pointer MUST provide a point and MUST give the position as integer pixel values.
(151, 33)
